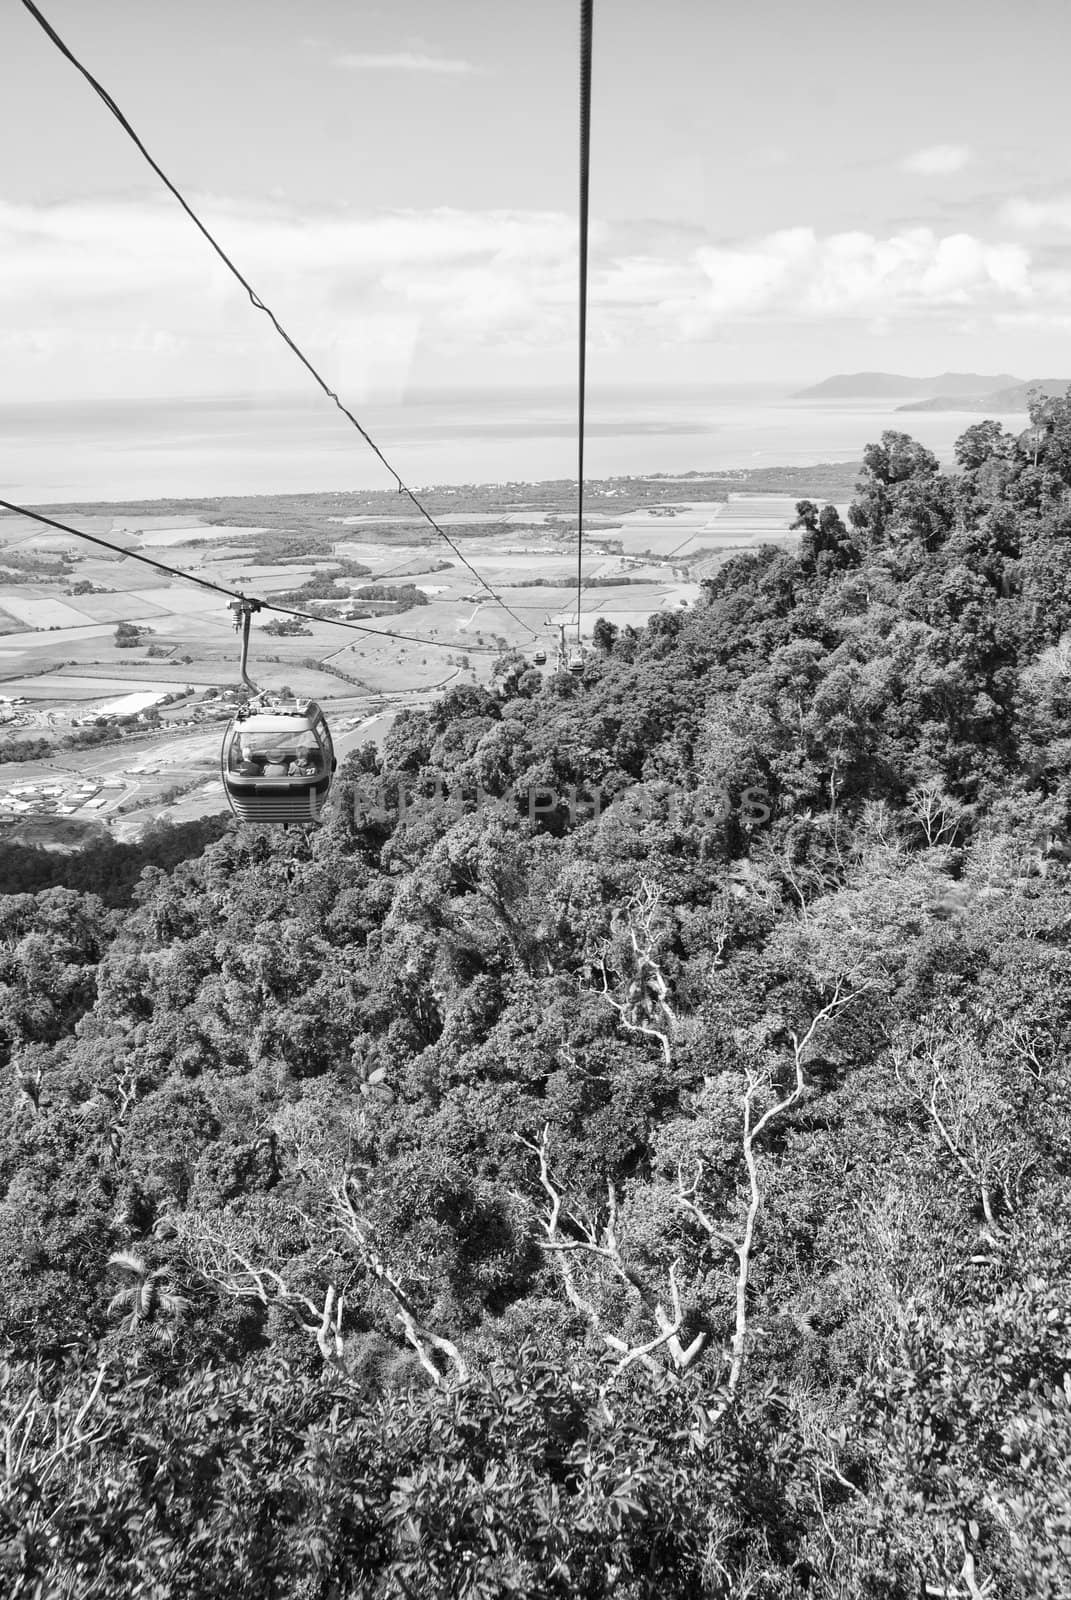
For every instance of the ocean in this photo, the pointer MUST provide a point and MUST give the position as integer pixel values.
(156, 449)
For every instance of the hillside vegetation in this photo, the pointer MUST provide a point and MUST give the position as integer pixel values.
(1012, 397)
(487, 1197)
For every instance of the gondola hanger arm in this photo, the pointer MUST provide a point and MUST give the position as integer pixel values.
(243, 612)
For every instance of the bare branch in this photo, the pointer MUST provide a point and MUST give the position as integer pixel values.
(647, 1008)
(599, 1244)
(222, 1260)
(215, 1253)
(687, 1196)
(329, 1330)
(953, 1119)
(602, 1246)
(418, 1335)
(668, 1329)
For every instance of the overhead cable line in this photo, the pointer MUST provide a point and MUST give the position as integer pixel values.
(234, 594)
(586, 27)
(256, 301)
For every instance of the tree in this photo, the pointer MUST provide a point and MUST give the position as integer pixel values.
(979, 443)
(147, 1295)
(604, 635)
(898, 458)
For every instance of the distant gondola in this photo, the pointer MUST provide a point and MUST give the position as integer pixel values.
(540, 658)
(576, 662)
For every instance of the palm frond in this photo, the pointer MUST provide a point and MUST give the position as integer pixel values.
(126, 1261)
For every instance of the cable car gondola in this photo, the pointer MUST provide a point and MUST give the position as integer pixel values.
(576, 661)
(277, 759)
(540, 658)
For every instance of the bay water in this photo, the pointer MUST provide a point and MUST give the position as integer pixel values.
(73, 453)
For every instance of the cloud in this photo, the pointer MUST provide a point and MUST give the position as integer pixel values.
(796, 273)
(130, 282)
(937, 160)
(1035, 215)
(404, 61)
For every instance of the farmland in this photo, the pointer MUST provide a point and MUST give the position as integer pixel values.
(126, 732)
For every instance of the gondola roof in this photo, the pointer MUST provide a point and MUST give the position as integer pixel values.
(279, 718)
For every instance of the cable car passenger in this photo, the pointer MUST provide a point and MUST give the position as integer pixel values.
(246, 761)
(305, 764)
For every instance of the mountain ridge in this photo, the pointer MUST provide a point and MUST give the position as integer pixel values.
(895, 385)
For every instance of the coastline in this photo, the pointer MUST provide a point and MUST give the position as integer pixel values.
(124, 452)
(830, 479)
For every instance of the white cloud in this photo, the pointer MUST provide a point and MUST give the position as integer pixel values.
(937, 160)
(131, 282)
(1034, 215)
(404, 61)
(798, 273)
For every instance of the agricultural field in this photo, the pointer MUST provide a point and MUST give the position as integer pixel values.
(62, 668)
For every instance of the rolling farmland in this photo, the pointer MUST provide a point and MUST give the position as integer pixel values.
(62, 669)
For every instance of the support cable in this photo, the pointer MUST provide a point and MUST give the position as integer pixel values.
(255, 300)
(586, 27)
(233, 594)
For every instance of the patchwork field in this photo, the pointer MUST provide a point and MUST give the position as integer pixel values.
(62, 666)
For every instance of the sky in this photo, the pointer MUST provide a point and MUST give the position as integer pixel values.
(779, 191)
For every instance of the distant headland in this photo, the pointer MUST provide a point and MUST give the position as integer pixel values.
(948, 391)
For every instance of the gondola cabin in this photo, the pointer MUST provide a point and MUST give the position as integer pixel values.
(278, 762)
(540, 658)
(576, 662)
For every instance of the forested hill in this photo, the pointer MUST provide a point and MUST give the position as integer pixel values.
(484, 1197)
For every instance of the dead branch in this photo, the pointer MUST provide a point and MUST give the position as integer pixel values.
(1027, 1050)
(601, 1244)
(687, 1195)
(220, 1259)
(646, 1008)
(215, 1254)
(950, 1107)
(970, 1168)
(939, 815)
(419, 1336)
(631, 1016)
(217, 1258)
(598, 1242)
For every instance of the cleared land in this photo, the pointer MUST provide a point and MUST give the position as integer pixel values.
(61, 666)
